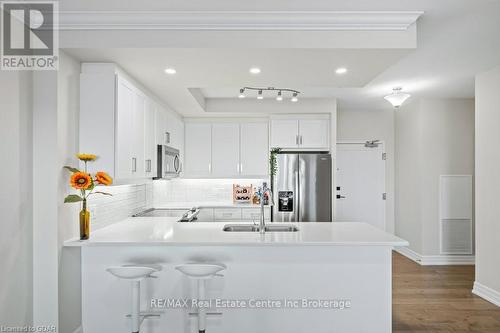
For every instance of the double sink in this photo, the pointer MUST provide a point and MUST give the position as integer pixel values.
(256, 228)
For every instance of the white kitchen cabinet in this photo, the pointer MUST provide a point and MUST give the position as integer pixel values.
(150, 150)
(284, 133)
(233, 149)
(198, 150)
(129, 131)
(254, 149)
(307, 132)
(225, 150)
(118, 123)
(314, 133)
(227, 214)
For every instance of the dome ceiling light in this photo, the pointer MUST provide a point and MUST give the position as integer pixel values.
(397, 98)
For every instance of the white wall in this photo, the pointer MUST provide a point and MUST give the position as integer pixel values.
(372, 125)
(433, 137)
(16, 236)
(488, 181)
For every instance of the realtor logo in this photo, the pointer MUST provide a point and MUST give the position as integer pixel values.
(29, 35)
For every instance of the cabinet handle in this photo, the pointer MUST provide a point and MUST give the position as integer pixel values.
(300, 139)
(297, 139)
(134, 164)
(209, 167)
(148, 165)
(167, 137)
(241, 168)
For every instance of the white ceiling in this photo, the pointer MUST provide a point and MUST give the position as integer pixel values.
(220, 73)
(456, 40)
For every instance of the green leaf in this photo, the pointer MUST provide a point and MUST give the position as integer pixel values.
(103, 193)
(71, 168)
(73, 198)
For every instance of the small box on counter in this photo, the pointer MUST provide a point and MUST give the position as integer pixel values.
(242, 193)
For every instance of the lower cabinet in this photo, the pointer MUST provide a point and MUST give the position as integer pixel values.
(247, 214)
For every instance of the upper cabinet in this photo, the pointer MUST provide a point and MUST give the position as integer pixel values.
(121, 124)
(301, 132)
(198, 149)
(226, 149)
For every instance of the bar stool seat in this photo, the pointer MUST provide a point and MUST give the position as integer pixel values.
(134, 274)
(201, 272)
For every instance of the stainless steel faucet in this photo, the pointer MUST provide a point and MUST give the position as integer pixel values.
(263, 191)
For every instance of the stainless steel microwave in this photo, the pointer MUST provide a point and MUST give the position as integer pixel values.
(168, 162)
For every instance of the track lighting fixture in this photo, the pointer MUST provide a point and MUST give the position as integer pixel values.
(279, 97)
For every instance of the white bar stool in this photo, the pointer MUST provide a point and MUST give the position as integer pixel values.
(136, 273)
(201, 273)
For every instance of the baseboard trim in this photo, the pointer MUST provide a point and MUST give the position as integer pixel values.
(444, 259)
(486, 293)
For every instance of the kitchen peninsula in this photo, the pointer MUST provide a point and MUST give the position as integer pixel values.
(325, 274)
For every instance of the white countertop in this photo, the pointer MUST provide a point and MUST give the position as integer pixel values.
(145, 231)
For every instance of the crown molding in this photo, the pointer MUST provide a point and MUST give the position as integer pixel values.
(238, 20)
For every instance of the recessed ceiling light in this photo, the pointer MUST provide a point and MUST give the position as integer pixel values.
(170, 71)
(341, 70)
(255, 70)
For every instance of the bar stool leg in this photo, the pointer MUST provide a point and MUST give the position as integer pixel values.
(201, 310)
(136, 306)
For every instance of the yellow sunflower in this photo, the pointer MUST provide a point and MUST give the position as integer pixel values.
(86, 157)
(103, 178)
(80, 180)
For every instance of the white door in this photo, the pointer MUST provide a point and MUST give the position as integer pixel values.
(254, 149)
(360, 184)
(284, 133)
(150, 150)
(225, 150)
(314, 133)
(198, 150)
(124, 128)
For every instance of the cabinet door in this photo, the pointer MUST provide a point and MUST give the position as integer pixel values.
(149, 140)
(198, 147)
(314, 133)
(254, 149)
(225, 149)
(124, 129)
(138, 167)
(284, 133)
(161, 125)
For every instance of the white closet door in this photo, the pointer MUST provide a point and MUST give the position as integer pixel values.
(254, 150)
(225, 150)
(124, 128)
(198, 147)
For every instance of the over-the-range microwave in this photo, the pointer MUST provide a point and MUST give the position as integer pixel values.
(168, 162)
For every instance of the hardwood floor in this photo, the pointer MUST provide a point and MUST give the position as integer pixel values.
(438, 299)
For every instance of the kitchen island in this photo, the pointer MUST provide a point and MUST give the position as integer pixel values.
(322, 278)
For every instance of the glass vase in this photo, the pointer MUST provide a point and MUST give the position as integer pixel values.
(84, 222)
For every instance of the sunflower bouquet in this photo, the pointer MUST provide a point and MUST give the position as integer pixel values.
(85, 184)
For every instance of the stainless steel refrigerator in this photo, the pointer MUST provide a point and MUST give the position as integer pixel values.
(302, 188)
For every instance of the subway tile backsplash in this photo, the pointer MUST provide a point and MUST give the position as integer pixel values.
(126, 201)
(193, 191)
(131, 199)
